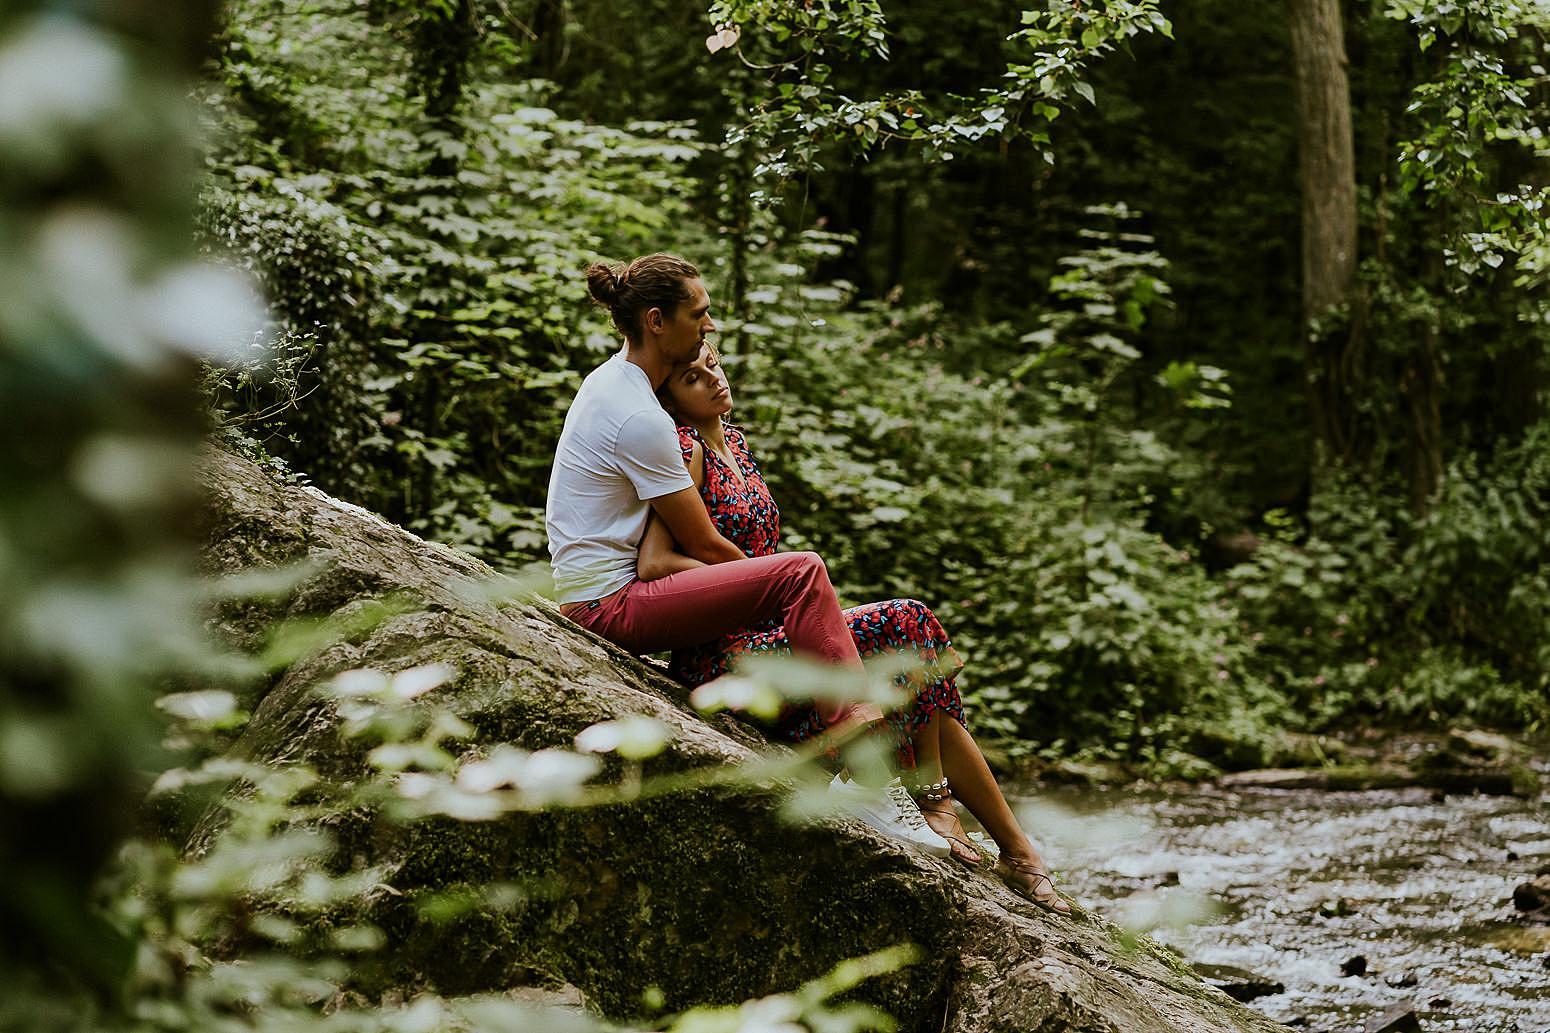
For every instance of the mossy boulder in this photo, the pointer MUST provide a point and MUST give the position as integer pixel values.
(1464, 763)
(1476, 761)
(690, 897)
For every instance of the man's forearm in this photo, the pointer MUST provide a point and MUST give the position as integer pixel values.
(664, 565)
(683, 514)
(715, 550)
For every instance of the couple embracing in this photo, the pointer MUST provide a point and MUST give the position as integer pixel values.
(663, 536)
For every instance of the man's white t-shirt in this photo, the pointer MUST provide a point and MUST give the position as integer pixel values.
(618, 450)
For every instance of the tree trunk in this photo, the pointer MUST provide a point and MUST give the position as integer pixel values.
(550, 48)
(443, 46)
(1421, 386)
(1328, 210)
(444, 42)
(739, 205)
(1423, 444)
(898, 237)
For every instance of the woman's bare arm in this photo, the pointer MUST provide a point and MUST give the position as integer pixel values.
(659, 554)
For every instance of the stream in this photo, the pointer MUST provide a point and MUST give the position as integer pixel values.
(1305, 881)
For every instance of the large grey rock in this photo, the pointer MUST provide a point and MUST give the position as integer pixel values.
(705, 896)
(1238, 983)
(1533, 896)
(1396, 1018)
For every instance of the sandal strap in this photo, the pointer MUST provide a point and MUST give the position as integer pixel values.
(963, 840)
(1029, 869)
(1040, 887)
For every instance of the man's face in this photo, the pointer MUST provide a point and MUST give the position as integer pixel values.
(683, 333)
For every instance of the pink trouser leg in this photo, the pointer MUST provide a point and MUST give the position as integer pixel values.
(703, 604)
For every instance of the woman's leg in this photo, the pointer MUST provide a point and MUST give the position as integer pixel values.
(975, 787)
(928, 749)
(928, 770)
(908, 627)
(1022, 866)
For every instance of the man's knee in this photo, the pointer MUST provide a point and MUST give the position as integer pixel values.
(805, 568)
(809, 563)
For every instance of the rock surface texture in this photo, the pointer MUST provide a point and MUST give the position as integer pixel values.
(706, 895)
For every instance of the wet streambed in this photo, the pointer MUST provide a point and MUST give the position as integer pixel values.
(1426, 886)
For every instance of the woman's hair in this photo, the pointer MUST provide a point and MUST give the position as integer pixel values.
(628, 292)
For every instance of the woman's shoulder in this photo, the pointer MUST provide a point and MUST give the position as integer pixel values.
(689, 440)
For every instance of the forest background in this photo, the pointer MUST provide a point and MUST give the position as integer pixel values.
(1191, 367)
(1188, 359)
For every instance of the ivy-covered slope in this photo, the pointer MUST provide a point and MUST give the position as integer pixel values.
(705, 895)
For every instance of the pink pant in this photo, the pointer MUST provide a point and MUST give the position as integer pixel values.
(703, 604)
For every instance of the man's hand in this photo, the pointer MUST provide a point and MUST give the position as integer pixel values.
(686, 518)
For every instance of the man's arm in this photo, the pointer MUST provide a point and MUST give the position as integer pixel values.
(651, 461)
(659, 554)
(687, 521)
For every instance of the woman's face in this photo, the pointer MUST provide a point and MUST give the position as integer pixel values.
(699, 390)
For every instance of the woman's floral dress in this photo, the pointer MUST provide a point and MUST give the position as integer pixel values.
(748, 517)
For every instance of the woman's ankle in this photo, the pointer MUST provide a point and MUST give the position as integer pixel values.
(1021, 854)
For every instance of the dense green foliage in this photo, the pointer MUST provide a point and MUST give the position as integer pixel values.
(1025, 345)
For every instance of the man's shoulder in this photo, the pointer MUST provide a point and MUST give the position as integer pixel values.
(612, 394)
(602, 377)
(647, 419)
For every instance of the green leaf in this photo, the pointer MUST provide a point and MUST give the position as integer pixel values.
(889, 514)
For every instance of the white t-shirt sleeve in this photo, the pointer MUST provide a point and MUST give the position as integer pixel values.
(649, 455)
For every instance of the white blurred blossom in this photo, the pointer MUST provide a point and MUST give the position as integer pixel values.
(547, 776)
(125, 471)
(735, 692)
(57, 75)
(85, 257)
(209, 311)
(1171, 908)
(366, 683)
(500, 1015)
(635, 737)
(1061, 827)
(209, 705)
(417, 681)
(88, 261)
(36, 755)
(360, 682)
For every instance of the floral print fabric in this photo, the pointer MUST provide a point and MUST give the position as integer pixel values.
(746, 515)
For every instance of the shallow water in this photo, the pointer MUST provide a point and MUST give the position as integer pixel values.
(1428, 885)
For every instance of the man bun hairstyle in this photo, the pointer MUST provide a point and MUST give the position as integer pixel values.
(629, 291)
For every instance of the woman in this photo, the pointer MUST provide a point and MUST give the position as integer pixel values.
(933, 744)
